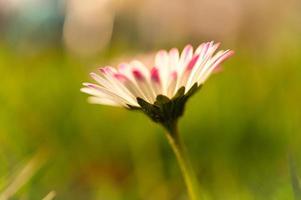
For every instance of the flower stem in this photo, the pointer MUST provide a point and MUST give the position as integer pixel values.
(184, 164)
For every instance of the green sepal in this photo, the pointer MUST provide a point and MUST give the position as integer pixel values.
(167, 111)
(162, 99)
(151, 110)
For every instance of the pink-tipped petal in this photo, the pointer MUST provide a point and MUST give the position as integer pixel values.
(173, 75)
(144, 85)
(187, 51)
(192, 62)
(218, 60)
(122, 85)
(155, 81)
(138, 75)
(185, 57)
(122, 66)
(155, 75)
(161, 58)
(205, 49)
(227, 54)
(120, 77)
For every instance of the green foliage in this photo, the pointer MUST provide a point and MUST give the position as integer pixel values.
(238, 130)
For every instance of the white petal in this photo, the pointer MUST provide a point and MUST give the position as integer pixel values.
(100, 95)
(141, 67)
(104, 101)
(205, 56)
(156, 81)
(216, 62)
(131, 83)
(186, 56)
(171, 71)
(162, 62)
(188, 70)
(102, 81)
(109, 93)
(144, 86)
(174, 59)
(119, 88)
(92, 92)
(172, 84)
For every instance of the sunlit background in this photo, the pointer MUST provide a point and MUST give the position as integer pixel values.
(242, 130)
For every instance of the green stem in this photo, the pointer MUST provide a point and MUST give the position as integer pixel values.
(186, 169)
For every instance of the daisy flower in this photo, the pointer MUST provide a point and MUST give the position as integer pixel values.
(160, 90)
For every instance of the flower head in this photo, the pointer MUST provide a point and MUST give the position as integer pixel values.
(159, 91)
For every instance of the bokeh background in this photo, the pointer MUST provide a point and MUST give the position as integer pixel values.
(242, 130)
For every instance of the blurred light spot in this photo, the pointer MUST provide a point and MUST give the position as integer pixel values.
(88, 26)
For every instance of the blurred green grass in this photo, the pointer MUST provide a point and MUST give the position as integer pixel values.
(239, 130)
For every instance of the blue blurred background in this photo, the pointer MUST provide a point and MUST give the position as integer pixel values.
(242, 130)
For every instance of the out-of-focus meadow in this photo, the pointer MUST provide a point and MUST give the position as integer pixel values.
(242, 130)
